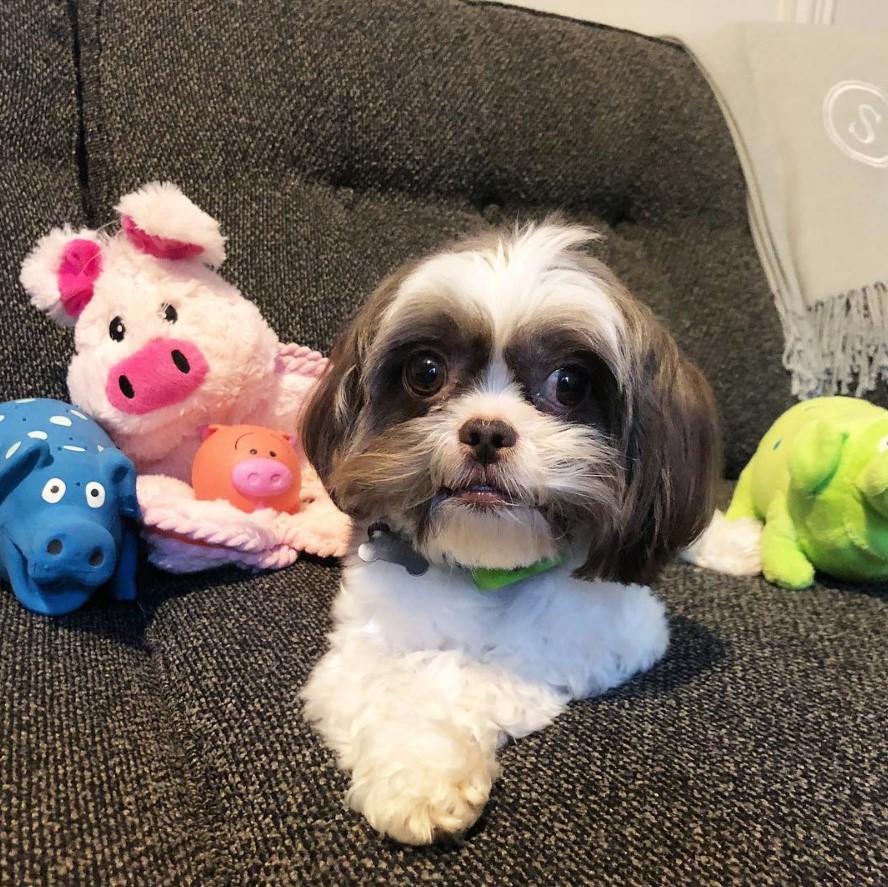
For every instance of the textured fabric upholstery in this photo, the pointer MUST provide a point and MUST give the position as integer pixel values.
(335, 140)
(162, 743)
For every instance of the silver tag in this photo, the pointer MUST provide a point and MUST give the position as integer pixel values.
(384, 545)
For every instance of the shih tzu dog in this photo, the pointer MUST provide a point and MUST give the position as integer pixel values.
(522, 447)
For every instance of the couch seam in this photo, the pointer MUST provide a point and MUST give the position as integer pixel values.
(80, 153)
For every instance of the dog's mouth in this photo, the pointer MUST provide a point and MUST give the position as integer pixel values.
(478, 495)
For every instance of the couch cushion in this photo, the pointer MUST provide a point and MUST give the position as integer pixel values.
(752, 754)
(39, 183)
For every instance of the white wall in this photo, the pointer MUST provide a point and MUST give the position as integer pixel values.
(659, 17)
(862, 13)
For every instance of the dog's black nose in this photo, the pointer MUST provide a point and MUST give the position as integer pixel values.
(487, 437)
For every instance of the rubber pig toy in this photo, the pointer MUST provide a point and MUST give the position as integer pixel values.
(68, 508)
(248, 465)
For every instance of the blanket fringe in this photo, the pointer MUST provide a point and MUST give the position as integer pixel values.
(840, 345)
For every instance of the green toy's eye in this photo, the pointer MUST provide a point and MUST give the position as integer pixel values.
(883, 444)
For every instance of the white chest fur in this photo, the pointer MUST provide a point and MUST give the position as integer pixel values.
(577, 638)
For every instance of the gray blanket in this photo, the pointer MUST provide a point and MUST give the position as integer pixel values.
(808, 110)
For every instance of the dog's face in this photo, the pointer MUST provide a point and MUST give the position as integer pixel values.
(503, 399)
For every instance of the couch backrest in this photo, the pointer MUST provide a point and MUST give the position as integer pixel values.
(39, 183)
(334, 140)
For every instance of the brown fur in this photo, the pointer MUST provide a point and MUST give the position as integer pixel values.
(671, 443)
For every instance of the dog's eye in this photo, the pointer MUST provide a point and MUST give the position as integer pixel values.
(116, 329)
(170, 315)
(425, 373)
(568, 386)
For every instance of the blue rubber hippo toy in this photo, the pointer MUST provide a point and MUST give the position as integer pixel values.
(68, 508)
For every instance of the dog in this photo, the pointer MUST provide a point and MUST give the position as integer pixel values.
(522, 447)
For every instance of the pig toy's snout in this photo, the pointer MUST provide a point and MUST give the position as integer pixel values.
(162, 373)
(81, 552)
(261, 478)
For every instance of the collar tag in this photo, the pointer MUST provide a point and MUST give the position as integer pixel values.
(384, 545)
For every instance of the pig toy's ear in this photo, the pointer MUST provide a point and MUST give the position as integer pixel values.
(122, 475)
(161, 221)
(208, 430)
(19, 461)
(815, 457)
(60, 273)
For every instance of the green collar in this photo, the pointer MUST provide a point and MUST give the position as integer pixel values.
(384, 545)
(490, 580)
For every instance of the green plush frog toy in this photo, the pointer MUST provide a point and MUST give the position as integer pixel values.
(819, 482)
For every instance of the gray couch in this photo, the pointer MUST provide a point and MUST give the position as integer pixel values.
(162, 743)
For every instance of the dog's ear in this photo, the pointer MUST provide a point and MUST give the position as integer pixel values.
(335, 402)
(672, 460)
(331, 414)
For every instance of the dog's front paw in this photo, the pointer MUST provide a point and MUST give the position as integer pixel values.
(418, 801)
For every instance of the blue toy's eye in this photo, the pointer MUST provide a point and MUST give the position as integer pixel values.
(95, 495)
(883, 444)
(53, 490)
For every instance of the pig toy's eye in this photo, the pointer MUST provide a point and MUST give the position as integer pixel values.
(116, 329)
(53, 490)
(170, 315)
(883, 444)
(95, 495)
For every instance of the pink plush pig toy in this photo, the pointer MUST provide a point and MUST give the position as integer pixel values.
(164, 347)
